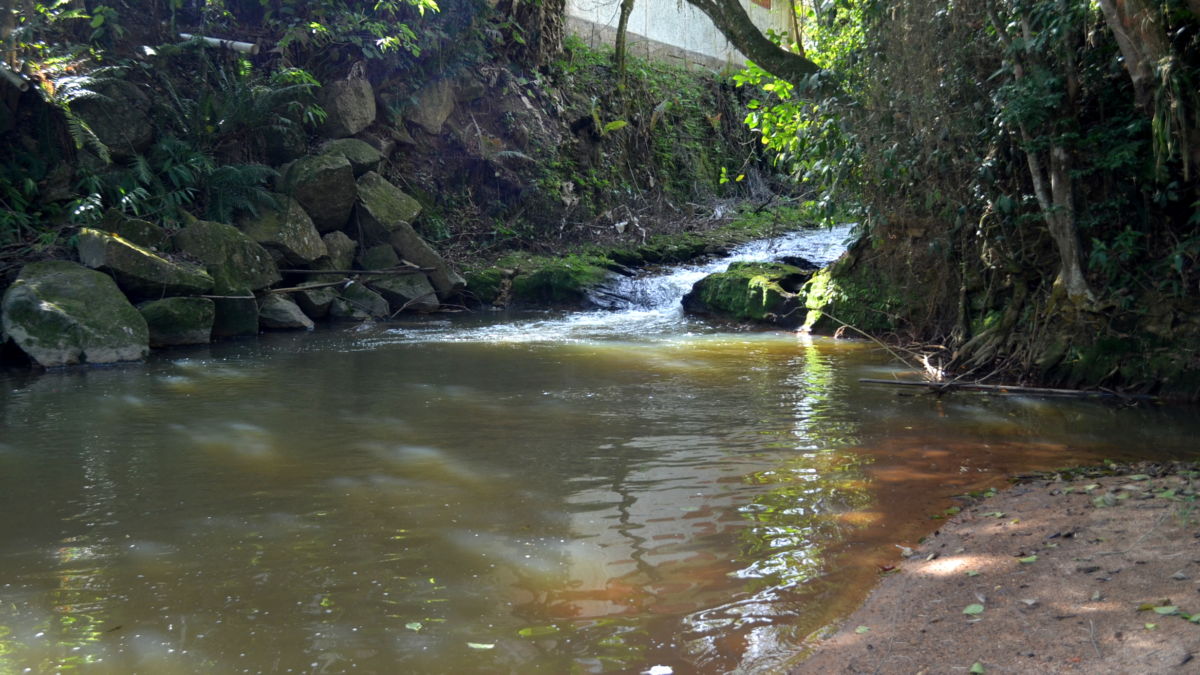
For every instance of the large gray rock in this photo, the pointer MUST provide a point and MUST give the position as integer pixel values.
(361, 155)
(341, 252)
(406, 292)
(315, 302)
(141, 232)
(434, 103)
(278, 311)
(382, 208)
(413, 248)
(115, 112)
(138, 271)
(356, 301)
(381, 257)
(236, 262)
(349, 106)
(324, 186)
(287, 231)
(60, 313)
(179, 321)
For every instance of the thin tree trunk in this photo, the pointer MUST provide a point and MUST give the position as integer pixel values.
(621, 44)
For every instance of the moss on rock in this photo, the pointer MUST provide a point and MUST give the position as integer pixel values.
(60, 313)
(179, 321)
(760, 292)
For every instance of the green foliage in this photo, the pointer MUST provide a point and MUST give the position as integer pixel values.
(374, 30)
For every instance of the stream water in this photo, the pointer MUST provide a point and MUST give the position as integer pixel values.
(549, 493)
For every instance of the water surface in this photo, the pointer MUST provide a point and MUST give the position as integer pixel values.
(591, 492)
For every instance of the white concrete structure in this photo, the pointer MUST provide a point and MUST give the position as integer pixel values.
(672, 29)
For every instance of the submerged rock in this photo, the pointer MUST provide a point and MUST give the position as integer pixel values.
(287, 230)
(139, 271)
(278, 311)
(179, 321)
(60, 313)
(761, 292)
(324, 186)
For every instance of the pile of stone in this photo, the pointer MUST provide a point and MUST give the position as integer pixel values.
(138, 286)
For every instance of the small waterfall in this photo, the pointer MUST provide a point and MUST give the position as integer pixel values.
(641, 307)
(664, 290)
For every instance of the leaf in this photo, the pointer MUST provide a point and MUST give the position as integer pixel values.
(1027, 560)
(481, 645)
(1139, 476)
(1089, 488)
(1151, 626)
(994, 514)
(413, 625)
(862, 629)
(976, 668)
(1166, 610)
(535, 631)
(972, 573)
(973, 609)
(615, 125)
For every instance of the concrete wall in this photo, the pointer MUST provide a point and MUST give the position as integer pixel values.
(669, 30)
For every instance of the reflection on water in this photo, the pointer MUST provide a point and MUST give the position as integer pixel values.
(462, 503)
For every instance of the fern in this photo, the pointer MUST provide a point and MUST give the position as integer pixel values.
(238, 187)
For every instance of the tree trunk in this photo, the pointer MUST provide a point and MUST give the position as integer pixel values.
(620, 46)
(1140, 37)
(731, 19)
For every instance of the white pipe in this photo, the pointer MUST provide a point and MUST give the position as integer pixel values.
(240, 47)
(14, 79)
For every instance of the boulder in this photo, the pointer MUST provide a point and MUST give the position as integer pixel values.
(139, 271)
(315, 302)
(413, 248)
(747, 291)
(324, 186)
(361, 155)
(237, 263)
(278, 311)
(381, 257)
(286, 230)
(356, 301)
(140, 232)
(61, 313)
(179, 321)
(236, 315)
(341, 252)
(406, 292)
(382, 207)
(434, 103)
(349, 106)
(116, 113)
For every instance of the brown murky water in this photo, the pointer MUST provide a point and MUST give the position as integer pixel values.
(450, 498)
(596, 492)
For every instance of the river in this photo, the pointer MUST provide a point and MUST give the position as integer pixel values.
(602, 491)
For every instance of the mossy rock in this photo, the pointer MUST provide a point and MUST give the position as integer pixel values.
(340, 249)
(61, 313)
(358, 302)
(324, 186)
(858, 297)
(278, 312)
(407, 292)
(286, 230)
(361, 155)
(381, 257)
(349, 106)
(139, 271)
(485, 286)
(559, 283)
(140, 232)
(236, 262)
(383, 208)
(179, 321)
(315, 302)
(759, 292)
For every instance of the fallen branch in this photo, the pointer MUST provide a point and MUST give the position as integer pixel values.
(394, 270)
(309, 287)
(943, 387)
(240, 47)
(14, 79)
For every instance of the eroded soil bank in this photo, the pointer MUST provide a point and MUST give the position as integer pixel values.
(1099, 574)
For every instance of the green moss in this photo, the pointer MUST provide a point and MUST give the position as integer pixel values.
(761, 292)
(484, 285)
(560, 282)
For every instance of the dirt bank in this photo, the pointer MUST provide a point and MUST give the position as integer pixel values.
(1094, 575)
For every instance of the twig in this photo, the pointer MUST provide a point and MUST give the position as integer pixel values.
(1092, 634)
(1003, 389)
(309, 287)
(410, 302)
(391, 270)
